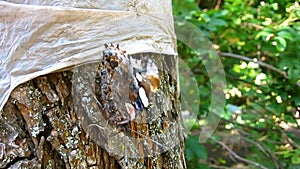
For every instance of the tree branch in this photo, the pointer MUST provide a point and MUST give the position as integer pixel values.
(237, 156)
(254, 25)
(260, 63)
(236, 56)
(266, 151)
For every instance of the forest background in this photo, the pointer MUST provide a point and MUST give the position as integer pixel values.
(258, 43)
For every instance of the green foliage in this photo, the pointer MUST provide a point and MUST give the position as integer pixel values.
(262, 101)
(195, 151)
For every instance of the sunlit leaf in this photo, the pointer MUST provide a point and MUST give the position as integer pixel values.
(296, 159)
(281, 43)
(221, 13)
(285, 35)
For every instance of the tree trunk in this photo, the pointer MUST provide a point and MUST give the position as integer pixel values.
(46, 123)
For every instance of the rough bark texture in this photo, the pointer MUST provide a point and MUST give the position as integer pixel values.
(41, 127)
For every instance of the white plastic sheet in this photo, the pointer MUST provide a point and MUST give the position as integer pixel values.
(42, 36)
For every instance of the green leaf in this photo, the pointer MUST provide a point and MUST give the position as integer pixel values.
(221, 13)
(194, 149)
(211, 28)
(237, 21)
(218, 22)
(286, 62)
(280, 43)
(189, 154)
(283, 95)
(294, 74)
(297, 101)
(205, 17)
(184, 8)
(270, 30)
(285, 35)
(201, 152)
(203, 166)
(296, 159)
(264, 33)
(285, 28)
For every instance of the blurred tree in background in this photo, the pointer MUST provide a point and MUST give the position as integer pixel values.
(259, 45)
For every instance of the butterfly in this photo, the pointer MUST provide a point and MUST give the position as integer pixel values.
(129, 84)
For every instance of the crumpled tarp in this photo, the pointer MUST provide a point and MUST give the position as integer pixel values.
(42, 36)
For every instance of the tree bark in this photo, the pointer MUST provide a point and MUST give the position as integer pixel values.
(45, 125)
